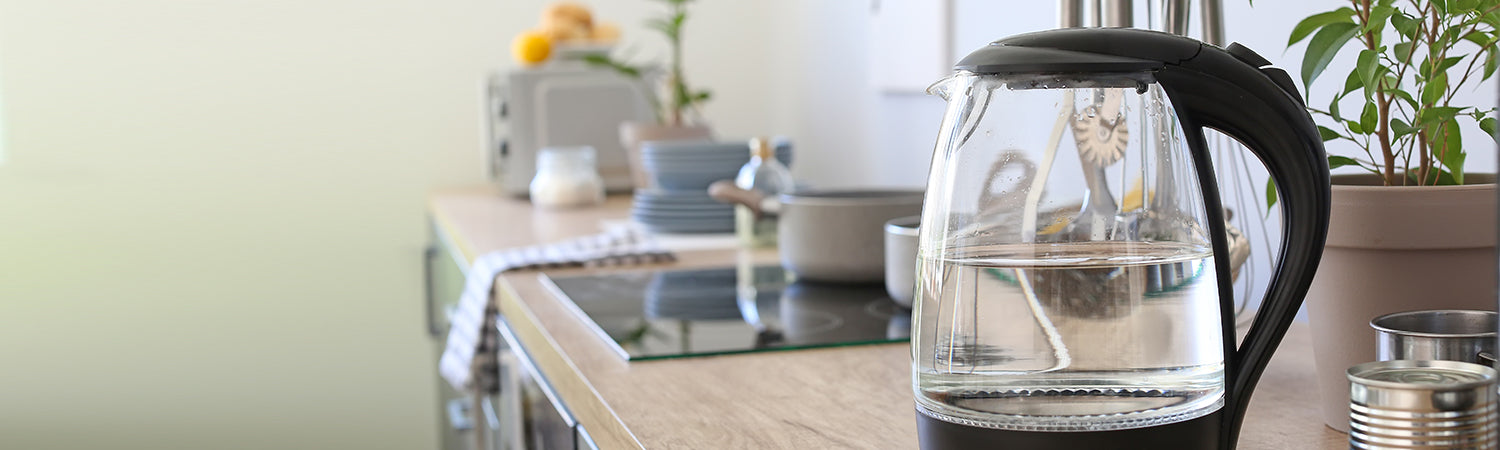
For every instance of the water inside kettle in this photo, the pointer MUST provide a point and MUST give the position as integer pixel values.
(1071, 336)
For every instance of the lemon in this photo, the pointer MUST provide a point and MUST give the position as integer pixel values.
(531, 48)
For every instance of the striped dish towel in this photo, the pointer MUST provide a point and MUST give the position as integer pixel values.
(469, 359)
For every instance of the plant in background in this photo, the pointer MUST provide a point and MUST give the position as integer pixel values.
(1413, 58)
(676, 100)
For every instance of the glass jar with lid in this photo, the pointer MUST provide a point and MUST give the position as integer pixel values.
(566, 177)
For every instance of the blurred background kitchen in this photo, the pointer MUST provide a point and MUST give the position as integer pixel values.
(212, 212)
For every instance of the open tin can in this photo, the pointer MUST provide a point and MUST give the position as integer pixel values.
(1417, 404)
(1443, 334)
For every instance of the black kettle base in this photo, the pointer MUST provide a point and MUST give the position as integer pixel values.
(1202, 433)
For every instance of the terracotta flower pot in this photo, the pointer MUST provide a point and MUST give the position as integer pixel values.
(1393, 249)
(632, 134)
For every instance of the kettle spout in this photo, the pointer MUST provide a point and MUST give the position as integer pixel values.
(942, 88)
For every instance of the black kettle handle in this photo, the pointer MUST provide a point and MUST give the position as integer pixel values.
(1235, 92)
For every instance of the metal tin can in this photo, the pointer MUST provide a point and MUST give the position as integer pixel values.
(1445, 334)
(1414, 404)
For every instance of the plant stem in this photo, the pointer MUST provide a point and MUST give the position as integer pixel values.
(1424, 159)
(1382, 102)
(677, 81)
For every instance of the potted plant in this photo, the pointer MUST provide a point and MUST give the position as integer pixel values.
(675, 103)
(1413, 230)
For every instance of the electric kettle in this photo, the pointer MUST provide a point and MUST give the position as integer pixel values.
(1073, 286)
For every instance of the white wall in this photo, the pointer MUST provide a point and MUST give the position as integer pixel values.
(899, 129)
(211, 217)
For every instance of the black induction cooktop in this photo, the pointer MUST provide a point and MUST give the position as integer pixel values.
(660, 314)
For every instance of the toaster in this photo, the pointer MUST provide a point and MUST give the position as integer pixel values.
(566, 103)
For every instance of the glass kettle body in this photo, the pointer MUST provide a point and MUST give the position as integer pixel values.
(1072, 283)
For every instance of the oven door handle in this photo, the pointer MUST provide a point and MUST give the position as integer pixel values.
(429, 301)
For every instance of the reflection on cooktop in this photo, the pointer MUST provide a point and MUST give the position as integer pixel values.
(676, 313)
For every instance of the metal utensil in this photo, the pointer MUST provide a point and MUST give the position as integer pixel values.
(1102, 135)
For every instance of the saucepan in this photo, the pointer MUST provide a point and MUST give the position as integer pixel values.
(829, 235)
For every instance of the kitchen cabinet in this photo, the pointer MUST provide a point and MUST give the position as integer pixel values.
(443, 281)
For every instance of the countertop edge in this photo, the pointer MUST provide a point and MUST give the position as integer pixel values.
(585, 402)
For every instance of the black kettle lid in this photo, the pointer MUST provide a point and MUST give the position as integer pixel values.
(1081, 50)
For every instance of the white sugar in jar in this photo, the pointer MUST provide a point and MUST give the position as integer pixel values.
(566, 177)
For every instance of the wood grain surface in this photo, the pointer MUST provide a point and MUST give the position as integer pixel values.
(845, 397)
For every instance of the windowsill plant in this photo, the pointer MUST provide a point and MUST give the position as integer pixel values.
(1415, 230)
(675, 103)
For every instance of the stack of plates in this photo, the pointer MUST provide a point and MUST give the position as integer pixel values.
(681, 172)
(663, 211)
(690, 165)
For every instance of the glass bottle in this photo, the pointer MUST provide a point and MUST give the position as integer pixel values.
(768, 177)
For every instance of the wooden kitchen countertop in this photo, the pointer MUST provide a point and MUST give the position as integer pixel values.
(844, 397)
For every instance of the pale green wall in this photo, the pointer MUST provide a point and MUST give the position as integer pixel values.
(211, 217)
(211, 211)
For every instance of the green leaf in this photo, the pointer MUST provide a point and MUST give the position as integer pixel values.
(1365, 66)
(1333, 110)
(1464, 5)
(1335, 162)
(1447, 178)
(1441, 5)
(1451, 34)
(1327, 133)
(1354, 127)
(1449, 62)
(1404, 24)
(1435, 88)
(1479, 38)
(1352, 84)
(1404, 96)
(1306, 26)
(1439, 177)
(1369, 118)
(1400, 128)
(1378, 16)
(1451, 152)
(1489, 63)
(1455, 165)
(1435, 115)
(1488, 125)
(680, 96)
(1270, 193)
(1403, 52)
(606, 62)
(1324, 45)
